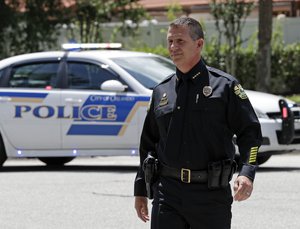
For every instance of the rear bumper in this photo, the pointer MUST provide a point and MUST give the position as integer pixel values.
(272, 132)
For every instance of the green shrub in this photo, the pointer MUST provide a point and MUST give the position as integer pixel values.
(285, 65)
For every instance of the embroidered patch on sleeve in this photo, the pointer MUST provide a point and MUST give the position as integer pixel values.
(239, 91)
(253, 154)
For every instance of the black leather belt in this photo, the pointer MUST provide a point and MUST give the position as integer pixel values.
(183, 174)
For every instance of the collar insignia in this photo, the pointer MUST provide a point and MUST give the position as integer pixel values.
(196, 75)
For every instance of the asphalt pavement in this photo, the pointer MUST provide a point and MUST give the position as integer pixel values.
(96, 193)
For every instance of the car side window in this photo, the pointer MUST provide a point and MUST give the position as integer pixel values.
(88, 76)
(34, 75)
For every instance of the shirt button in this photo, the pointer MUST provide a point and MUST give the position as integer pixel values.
(178, 107)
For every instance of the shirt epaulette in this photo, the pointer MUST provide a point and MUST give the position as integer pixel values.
(218, 72)
(168, 78)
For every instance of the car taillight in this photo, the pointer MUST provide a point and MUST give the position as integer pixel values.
(284, 112)
(287, 132)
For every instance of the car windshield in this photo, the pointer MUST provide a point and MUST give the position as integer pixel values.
(148, 70)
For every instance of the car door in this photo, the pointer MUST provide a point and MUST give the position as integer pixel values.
(97, 119)
(29, 104)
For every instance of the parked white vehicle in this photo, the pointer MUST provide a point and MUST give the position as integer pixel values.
(56, 106)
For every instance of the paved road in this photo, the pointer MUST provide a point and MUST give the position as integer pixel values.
(97, 193)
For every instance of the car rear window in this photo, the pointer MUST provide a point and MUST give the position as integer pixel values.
(35, 75)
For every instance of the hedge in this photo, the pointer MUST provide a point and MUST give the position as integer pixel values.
(285, 62)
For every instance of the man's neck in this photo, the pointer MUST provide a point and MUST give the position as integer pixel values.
(187, 67)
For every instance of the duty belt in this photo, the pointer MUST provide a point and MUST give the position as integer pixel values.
(183, 174)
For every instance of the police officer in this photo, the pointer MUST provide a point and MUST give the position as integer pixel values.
(192, 118)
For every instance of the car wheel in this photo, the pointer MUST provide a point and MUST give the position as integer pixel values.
(55, 161)
(3, 155)
(262, 159)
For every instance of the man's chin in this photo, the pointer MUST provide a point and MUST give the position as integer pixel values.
(176, 59)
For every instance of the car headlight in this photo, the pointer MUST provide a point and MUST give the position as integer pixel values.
(260, 114)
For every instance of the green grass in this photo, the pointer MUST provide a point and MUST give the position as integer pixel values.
(295, 98)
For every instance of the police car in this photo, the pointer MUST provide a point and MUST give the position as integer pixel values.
(56, 106)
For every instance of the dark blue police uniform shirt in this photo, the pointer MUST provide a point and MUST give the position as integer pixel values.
(192, 119)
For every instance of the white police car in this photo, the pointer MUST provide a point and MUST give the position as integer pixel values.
(60, 105)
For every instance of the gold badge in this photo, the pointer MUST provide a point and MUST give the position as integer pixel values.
(163, 100)
(207, 90)
(240, 92)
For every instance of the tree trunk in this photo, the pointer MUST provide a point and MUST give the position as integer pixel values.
(263, 61)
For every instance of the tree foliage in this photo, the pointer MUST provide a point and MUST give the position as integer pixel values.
(89, 15)
(30, 25)
(8, 21)
(42, 20)
(35, 25)
(230, 16)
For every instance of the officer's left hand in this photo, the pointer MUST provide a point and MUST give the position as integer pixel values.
(243, 187)
(141, 207)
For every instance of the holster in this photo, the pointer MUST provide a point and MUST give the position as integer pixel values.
(220, 173)
(150, 167)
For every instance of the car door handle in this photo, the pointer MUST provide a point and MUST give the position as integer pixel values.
(5, 99)
(72, 100)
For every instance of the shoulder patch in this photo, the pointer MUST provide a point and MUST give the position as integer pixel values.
(240, 92)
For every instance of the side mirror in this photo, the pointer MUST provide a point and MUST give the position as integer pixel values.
(113, 85)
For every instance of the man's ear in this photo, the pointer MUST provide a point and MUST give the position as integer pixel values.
(200, 44)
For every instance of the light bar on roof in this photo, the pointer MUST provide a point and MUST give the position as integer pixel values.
(72, 46)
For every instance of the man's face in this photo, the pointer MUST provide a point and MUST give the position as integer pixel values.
(184, 51)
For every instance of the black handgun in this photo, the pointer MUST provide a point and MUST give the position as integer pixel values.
(150, 167)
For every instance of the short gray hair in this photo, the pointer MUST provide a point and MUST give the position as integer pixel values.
(195, 28)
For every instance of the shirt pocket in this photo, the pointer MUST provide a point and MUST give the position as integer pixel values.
(211, 110)
(163, 115)
(209, 125)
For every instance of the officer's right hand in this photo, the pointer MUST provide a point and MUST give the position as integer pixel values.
(141, 207)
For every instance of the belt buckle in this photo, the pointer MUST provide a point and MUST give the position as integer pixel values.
(185, 175)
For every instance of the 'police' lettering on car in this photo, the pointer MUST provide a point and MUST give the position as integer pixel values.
(88, 112)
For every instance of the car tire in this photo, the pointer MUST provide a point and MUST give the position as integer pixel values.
(55, 161)
(3, 155)
(262, 159)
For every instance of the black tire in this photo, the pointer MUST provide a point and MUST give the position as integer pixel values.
(262, 158)
(3, 155)
(55, 161)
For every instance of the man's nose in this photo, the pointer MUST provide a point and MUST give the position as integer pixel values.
(173, 46)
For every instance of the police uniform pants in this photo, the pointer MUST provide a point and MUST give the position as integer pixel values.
(178, 205)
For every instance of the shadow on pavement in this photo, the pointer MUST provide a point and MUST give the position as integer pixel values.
(70, 168)
(277, 169)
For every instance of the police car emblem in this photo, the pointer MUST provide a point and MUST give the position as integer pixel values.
(207, 90)
(239, 91)
(163, 100)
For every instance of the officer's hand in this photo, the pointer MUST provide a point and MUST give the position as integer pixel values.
(141, 207)
(243, 187)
